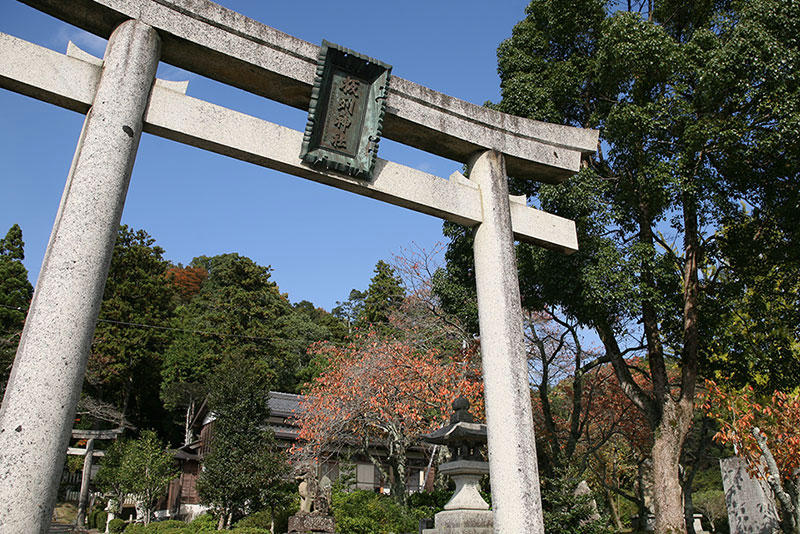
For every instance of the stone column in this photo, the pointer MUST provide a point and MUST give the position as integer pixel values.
(45, 383)
(512, 451)
(86, 479)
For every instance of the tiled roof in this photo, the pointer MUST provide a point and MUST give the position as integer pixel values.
(284, 404)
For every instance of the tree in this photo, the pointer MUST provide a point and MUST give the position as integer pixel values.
(239, 313)
(186, 396)
(148, 469)
(764, 431)
(142, 467)
(187, 281)
(244, 470)
(698, 108)
(384, 295)
(378, 393)
(756, 307)
(131, 335)
(110, 477)
(349, 310)
(15, 297)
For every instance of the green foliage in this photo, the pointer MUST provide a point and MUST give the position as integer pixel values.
(351, 309)
(244, 470)
(148, 469)
(711, 503)
(384, 295)
(566, 512)
(757, 307)
(99, 519)
(365, 512)
(261, 519)
(116, 525)
(125, 363)
(698, 107)
(432, 501)
(240, 313)
(142, 467)
(110, 477)
(204, 522)
(15, 296)
(171, 526)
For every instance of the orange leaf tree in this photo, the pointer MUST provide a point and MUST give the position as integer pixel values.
(766, 433)
(377, 396)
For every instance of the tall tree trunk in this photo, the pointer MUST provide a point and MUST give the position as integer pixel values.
(611, 499)
(666, 454)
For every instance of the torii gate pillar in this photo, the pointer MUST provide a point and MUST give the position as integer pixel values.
(512, 449)
(45, 384)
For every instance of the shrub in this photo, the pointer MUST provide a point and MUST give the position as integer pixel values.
(203, 523)
(365, 512)
(115, 526)
(262, 519)
(100, 519)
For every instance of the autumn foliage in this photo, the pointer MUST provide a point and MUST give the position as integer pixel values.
(741, 414)
(380, 392)
(187, 280)
(765, 431)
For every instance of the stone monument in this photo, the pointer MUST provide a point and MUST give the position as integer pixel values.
(315, 503)
(466, 511)
(750, 510)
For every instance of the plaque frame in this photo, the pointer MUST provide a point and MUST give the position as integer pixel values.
(345, 115)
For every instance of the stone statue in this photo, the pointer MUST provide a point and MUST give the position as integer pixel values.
(315, 503)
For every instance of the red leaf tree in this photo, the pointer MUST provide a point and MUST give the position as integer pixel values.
(377, 396)
(766, 433)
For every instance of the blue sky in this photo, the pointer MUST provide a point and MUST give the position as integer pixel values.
(320, 242)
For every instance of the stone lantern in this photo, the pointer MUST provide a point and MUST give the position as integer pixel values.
(466, 511)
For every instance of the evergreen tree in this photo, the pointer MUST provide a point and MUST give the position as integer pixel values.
(125, 363)
(15, 296)
(245, 470)
(385, 294)
(239, 312)
(698, 104)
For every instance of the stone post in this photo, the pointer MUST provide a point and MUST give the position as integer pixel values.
(512, 451)
(86, 479)
(45, 383)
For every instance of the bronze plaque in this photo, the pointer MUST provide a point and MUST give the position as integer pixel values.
(346, 111)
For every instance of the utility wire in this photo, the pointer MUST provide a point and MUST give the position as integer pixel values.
(171, 328)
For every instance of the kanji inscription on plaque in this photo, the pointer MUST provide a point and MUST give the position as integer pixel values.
(346, 111)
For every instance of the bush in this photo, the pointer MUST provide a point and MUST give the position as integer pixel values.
(365, 512)
(567, 513)
(203, 523)
(115, 526)
(435, 500)
(100, 518)
(262, 519)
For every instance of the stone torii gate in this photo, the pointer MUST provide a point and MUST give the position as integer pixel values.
(121, 98)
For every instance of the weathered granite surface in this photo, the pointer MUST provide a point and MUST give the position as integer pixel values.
(45, 382)
(208, 39)
(509, 421)
(311, 523)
